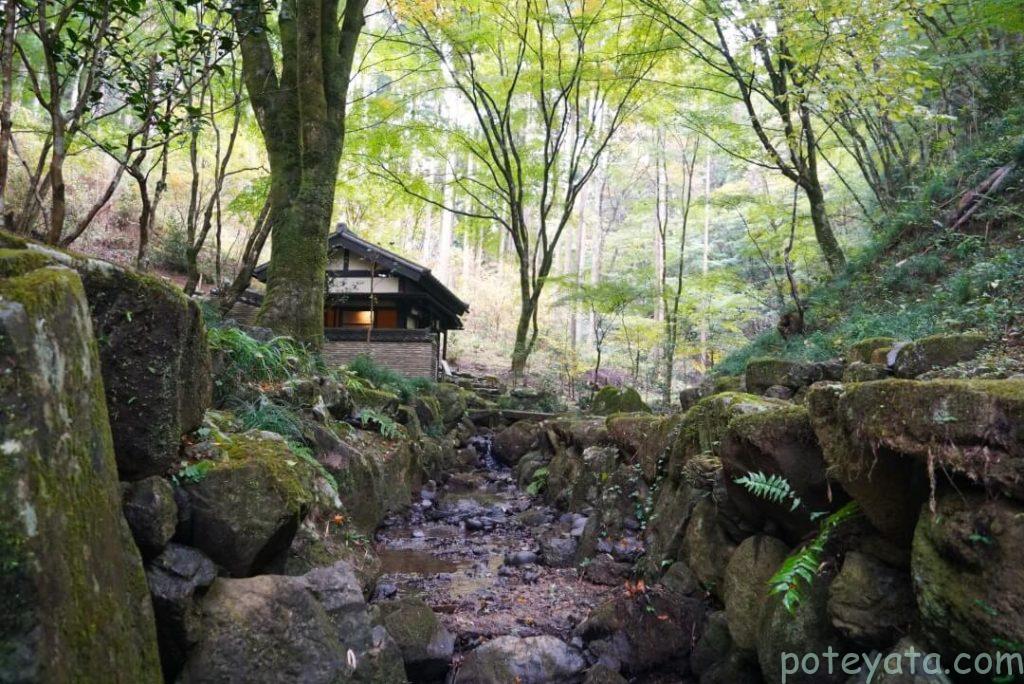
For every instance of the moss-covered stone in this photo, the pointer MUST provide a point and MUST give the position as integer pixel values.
(745, 588)
(863, 350)
(937, 351)
(364, 397)
(765, 372)
(630, 431)
(529, 660)
(154, 355)
(512, 443)
(323, 545)
(779, 441)
(453, 401)
(246, 507)
(73, 599)
(871, 603)
(666, 526)
(706, 548)
(968, 576)
(859, 371)
(880, 438)
(374, 475)
(426, 645)
(609, 400)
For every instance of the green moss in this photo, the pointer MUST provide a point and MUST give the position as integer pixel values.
(862, 350)
(70, 575)
(287, 474)
(937, 351)
(16, 262)
(609, 400)
(368, 397)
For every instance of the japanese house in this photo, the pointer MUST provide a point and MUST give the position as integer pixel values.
(379, 304)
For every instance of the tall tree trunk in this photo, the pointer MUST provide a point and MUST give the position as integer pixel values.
(7, 76)
(444, 245)
(704, 361)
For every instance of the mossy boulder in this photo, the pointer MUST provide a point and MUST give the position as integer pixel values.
(366, 397)
(428, 411)
(863, 350)
(73, 599)
(453, 401)
(859, 371)
(426, 645)
(275, 628)
(764, 372)
(706, 548)
(652, 452)
(374, 475)
(779, 441)
(667, 523)
(609, 400)
(246, 507)
(967, 573)
(155, 358)
(870, 602)
(515, 441)
(745, 588)
(937, 351)
(879, 439)
(701, 429)
(320, 545)
(807, 629)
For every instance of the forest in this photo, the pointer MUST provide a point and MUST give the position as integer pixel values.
(656, 182)
(512, 341)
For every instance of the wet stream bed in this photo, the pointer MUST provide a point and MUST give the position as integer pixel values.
(472, 550)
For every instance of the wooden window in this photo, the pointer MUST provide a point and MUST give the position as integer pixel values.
(386, 318)
(346, 318)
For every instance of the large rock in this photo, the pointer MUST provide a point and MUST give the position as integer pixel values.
(453, 401)
(177, 579)
(745, 590)
(651, 630)
(968, 575)
(765, 372)
(869, 602)
(631, 431)
(881, 438)
(529, 660)
(426, 645)
(74, 604)
(937, 351)
(706, 548)
(908, 662)
(154, 355)
(667, 523)
(374, 475)
(717, 660)
(862, 350)
(151, 513)
(246, 507)
(777, 442)
(865, 372)
(274, 628)
(512, 443)
(609, 400)
(806, 630)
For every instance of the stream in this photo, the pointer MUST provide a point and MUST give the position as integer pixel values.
(471, 548)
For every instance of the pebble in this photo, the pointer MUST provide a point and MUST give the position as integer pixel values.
(520, 558)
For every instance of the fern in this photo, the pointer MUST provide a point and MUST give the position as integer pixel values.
(774, 488)
(538, 482)
(388, 427)
(799, 570)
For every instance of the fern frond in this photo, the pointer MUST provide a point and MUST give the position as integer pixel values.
(799, 570)
(773, 488)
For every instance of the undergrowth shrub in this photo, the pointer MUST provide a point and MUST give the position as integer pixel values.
(365, 368)
(246, 360)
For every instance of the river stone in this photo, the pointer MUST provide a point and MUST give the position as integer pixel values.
(650, 630)
(869, 602)
(275, 628)
(706, 548)
(937, 351)
(968, 575)
(74, 604)
(426, 645)
(152, 515)
(528, 660)
(512, 443)
(609, 400)
(246, 508)
(177, 578)
(807, 629)
(558, 551)
(745, 590)
(779, 441)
